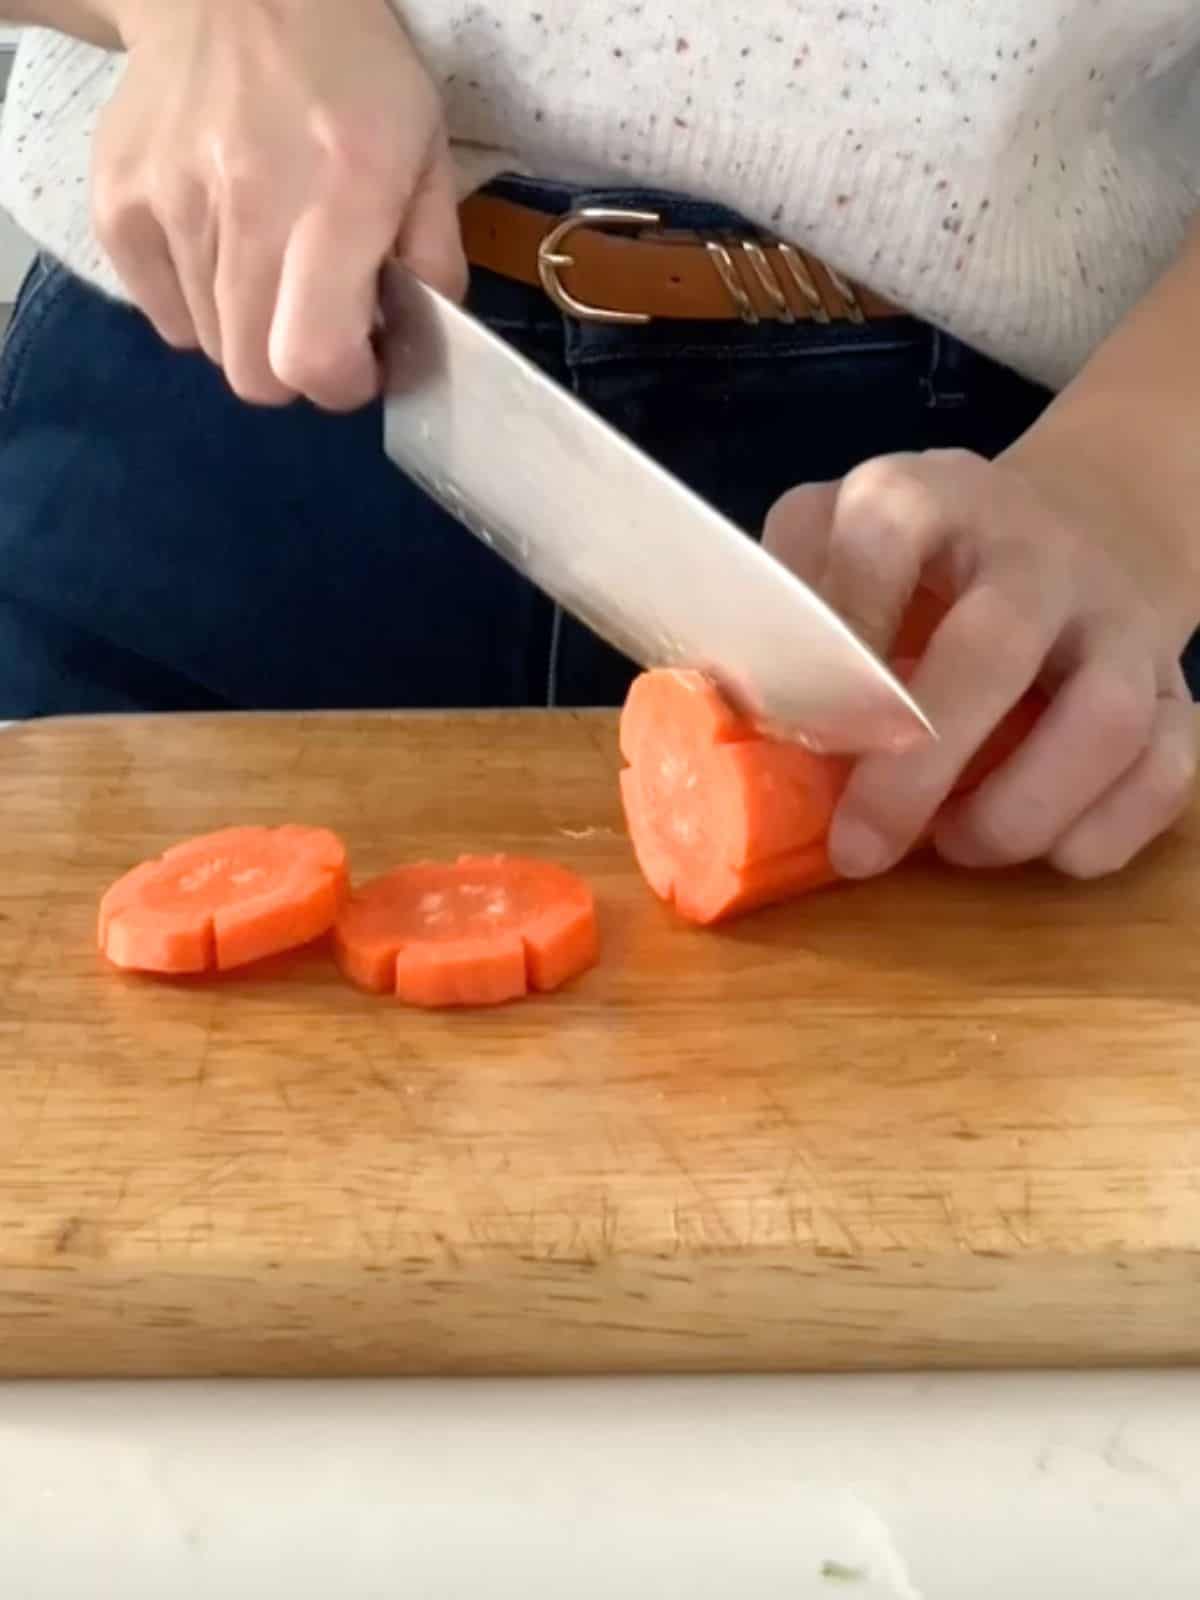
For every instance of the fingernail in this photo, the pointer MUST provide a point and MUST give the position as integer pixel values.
(857, 851)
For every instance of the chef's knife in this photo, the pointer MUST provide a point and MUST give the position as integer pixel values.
(617, 541)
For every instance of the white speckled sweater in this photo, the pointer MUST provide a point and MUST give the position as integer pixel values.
(1016, 171)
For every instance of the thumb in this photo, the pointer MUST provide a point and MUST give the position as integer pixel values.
(430, 242)
(798, 526)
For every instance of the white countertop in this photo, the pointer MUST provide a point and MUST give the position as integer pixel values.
(924, 1488)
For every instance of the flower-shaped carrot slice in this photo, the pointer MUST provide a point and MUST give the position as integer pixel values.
(478, 931)
(225, 900)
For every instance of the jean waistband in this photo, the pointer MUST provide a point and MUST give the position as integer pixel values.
(556, 197)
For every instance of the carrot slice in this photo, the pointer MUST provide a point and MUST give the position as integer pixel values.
(224, 900)
(478, 931)
(723, 822)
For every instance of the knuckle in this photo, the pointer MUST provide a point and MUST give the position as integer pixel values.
(887, 497)
(245, 194)
(114, 212)
(353, 150)
(181, 201)
(959, 460)
(1120, 711)
(321, 372)
(304, 367)
(1000, 630)
(1170, 777)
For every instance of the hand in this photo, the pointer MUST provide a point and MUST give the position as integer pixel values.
(1044, 585)
(259, 162)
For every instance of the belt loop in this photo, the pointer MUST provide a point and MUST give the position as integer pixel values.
(945, 382)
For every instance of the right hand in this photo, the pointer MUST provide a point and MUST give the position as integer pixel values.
(256, 167)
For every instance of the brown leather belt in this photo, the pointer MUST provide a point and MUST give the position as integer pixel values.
(643, 272)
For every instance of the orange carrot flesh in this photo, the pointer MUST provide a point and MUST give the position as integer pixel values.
(224, 900)
(719, 824)
(695, 715)
(723, 822)
(763, 883)
(479, 931)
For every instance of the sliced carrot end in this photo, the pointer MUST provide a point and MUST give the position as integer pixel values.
(721, 821)
(720, 826)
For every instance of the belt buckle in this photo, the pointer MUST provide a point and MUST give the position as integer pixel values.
(551, 259)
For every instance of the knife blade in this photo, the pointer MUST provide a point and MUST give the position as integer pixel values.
(615, 539)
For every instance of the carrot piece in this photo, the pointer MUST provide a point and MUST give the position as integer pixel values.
(478, 931)
(723, 822)
(763, 883)
(224, 900)
(694, 714)
(720, 820)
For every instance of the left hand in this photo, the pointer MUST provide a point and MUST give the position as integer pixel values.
(1045, 585)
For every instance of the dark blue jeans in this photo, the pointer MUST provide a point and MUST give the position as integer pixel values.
(165, 547)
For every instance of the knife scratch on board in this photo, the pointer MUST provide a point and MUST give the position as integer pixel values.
(710, 1208)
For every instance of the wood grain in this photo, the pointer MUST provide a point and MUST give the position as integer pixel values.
(941, 1120)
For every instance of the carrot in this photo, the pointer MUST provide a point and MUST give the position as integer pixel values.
(478, 931)
(224, 900)
(722, 821)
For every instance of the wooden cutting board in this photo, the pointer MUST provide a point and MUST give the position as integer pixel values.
(940, 1120)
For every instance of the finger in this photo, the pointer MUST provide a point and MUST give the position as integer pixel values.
(983, 657)
(191, 232)
(137, 248)
(246, 290)
(320, 342)
(1091, 734)
(1148, 801)
(893, 516)
(798, 526)
(430, 243)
